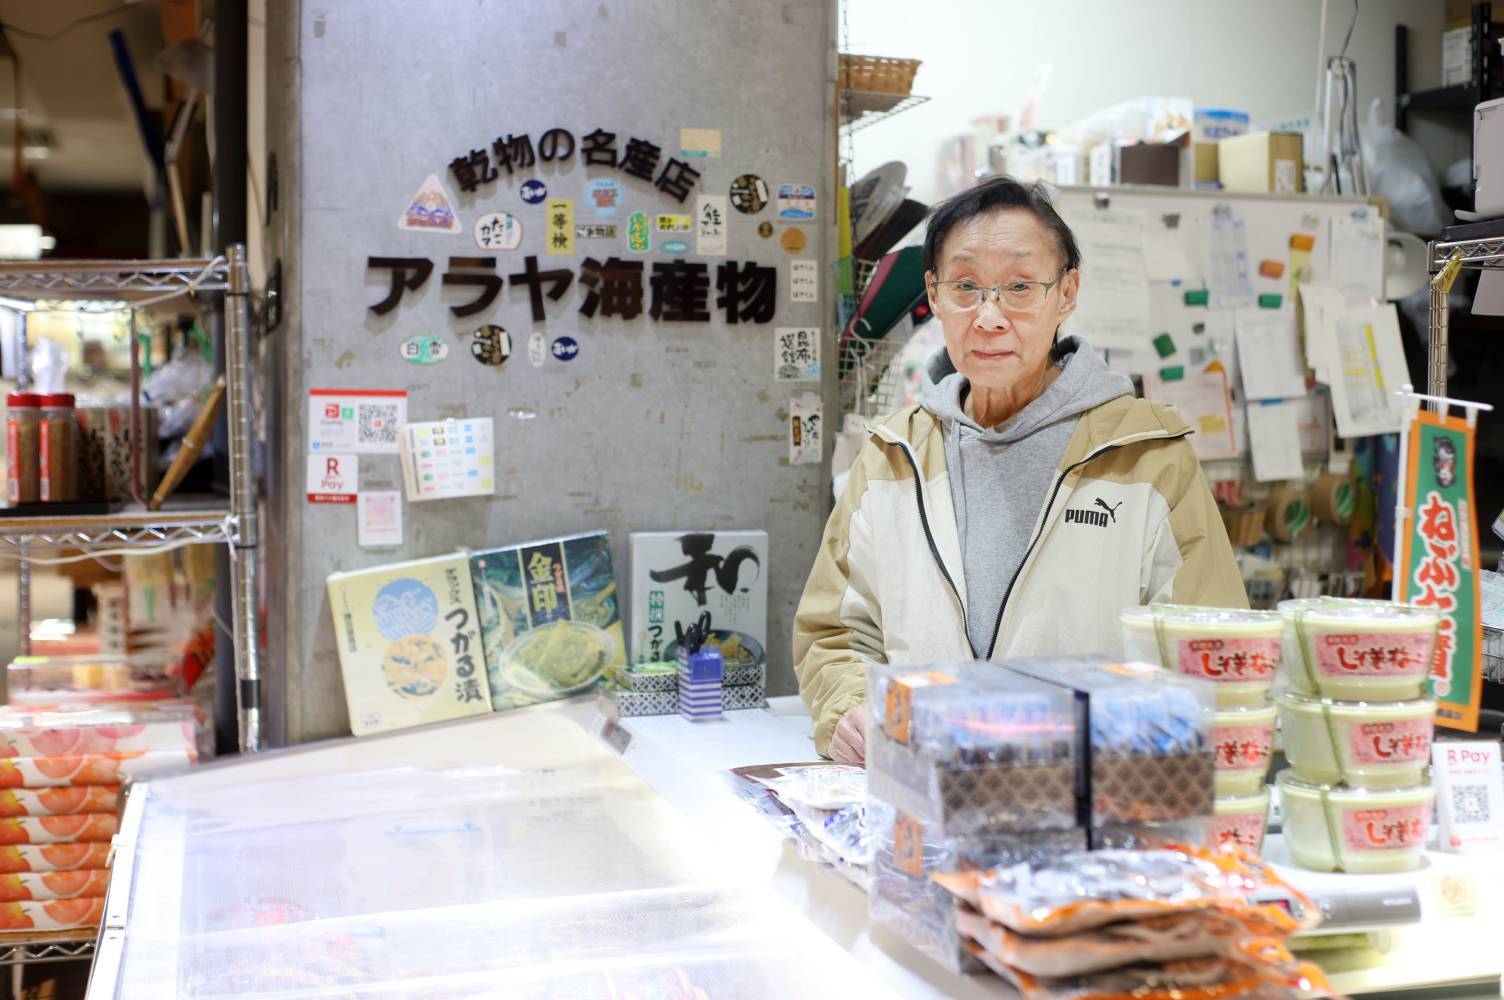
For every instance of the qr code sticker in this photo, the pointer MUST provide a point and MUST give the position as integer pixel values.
(378, 423)
(1470, 804)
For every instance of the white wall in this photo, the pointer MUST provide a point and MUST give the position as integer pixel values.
(981, 56)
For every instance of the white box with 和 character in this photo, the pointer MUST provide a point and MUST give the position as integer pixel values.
(679, 575)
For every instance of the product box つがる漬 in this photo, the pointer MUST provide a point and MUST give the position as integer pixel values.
(677, 576)
(550, 617)
(409, 643)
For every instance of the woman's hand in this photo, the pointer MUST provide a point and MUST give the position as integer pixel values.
(848, 744)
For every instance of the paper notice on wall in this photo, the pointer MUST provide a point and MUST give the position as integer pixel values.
(1319, 307)
(1269, 355)
(710, 225)
(1112, 310)
(379, 517)
(1172, 249)
(1227, 266)
(796, 354)
(1203, 400)
(1274, 438)
(804, 281)
(806, 430)
(1355, 258)
(443, 459)
(1368, 367)
(360, 421)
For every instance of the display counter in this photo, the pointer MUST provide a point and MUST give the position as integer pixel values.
(514, 855)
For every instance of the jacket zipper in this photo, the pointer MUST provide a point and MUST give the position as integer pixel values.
(997, 626)
(929, 537)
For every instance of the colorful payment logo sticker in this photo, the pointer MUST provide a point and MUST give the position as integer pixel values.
(638, 234)
(424, 349)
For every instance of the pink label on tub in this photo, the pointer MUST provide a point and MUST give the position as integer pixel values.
(1240, 748)
(1245, 832)
(1383, 655)
(1388, 829)
(1240, 661)
(1399, 742)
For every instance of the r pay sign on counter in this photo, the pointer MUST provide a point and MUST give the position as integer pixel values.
(1469, 779)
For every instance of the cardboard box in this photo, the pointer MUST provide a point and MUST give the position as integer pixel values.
(1261, 162)
(549, 618)
(618, 704)
(1149, 163)
(679, 575)
(1204, 165)
(409, 644)
(1459, 12)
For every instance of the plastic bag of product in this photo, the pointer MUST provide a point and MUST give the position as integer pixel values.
(1257, 968)
(1398, 169)
(820, 786)
(1084, 891)
(1167, 938)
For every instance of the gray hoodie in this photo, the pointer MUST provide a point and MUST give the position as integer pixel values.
(999, 475)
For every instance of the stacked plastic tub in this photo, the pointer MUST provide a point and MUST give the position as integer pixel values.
(68, 742)
(1239, 652)
(1357, 731)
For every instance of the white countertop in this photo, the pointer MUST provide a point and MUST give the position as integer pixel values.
(1456, 942)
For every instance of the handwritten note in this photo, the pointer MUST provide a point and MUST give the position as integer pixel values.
(1274, 434)
(1269, 354)
(1112, 310)
(1202, 399)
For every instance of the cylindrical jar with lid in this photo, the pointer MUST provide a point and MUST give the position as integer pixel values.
(58, 449)
(22, 470)
(1354, 650)
(1237, 650)
(1332, 828)
(1361, 744)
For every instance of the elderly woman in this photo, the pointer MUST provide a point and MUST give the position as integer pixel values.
(1023, 503)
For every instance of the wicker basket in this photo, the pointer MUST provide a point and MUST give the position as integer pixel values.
(877, 74)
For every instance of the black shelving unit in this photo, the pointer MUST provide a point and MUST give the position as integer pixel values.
(1459, 98)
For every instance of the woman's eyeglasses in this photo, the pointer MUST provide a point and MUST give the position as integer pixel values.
(1015, 296)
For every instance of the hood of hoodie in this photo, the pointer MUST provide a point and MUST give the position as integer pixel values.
(1084, 382)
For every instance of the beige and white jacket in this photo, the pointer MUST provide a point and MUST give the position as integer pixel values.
(1129, 520)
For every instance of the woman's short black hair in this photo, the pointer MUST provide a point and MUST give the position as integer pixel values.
(990, 195)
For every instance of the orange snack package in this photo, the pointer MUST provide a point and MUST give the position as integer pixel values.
(59, 801)
(85, 828)
(53, 857)
(52, 915)
(53, 885)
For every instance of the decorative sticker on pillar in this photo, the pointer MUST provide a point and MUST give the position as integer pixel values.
(796, 202)
(673, 223)
(561, 226)
(792, 240)
(424, 349)
(537, 349)
(749, 194)
(491, 345)
(565, 348)
(674, 247)
(796, 354)
(604, 196)
(765, 229)
(595, 230)
(333, 477)
(710, 225)
(700, 143)
(533, 192)
(430, 210)
(498, 231)
(806, 428)
(638, 233)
